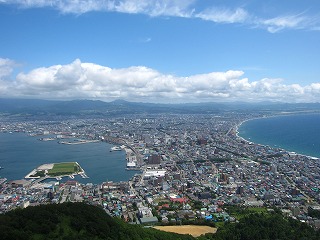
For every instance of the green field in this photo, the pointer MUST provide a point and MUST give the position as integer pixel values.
(64, 169)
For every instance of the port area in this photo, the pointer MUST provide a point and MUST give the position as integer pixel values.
(117, 148)
(78, 141)
(57, 170)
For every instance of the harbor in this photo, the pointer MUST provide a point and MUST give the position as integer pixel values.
(95, 157)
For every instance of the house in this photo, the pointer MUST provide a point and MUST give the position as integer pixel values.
(148, 220)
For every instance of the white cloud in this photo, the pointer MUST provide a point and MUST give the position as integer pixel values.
(285, 22)
(149, 7)
(218, 15)
(139, 83)
(6, 67)
(178, 8)
(155, 7)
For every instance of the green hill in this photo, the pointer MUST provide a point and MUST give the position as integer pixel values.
(82, 221)
(73, 221)
(266, 226)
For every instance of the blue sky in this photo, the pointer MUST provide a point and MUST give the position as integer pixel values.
(161, 50)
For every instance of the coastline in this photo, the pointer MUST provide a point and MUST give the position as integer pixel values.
(78, 142)
(94, 158)
(286, 114)
(237, 126)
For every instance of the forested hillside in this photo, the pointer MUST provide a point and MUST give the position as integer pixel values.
(82, 221)
(73, 221)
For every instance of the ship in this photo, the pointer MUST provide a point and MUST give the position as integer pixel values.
(115, 148)
(46, 139)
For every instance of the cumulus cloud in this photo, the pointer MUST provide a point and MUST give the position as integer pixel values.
(79, 80)
(178, 8)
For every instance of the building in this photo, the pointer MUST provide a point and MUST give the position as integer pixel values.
(20, 183)
(154, 159)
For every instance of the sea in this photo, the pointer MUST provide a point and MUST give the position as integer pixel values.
(21, 153)
(295, 133)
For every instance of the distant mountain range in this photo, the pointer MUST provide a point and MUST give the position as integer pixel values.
(27, 107)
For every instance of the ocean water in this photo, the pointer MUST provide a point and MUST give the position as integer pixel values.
(296, 133)
(20, 154)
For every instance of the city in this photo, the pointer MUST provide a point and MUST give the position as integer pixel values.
(192, 166)
(125, 119)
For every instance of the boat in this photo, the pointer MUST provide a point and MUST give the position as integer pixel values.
(83, 175)
(46, 139)
(115, 148)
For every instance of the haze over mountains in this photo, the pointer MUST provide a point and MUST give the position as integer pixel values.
(121, 107)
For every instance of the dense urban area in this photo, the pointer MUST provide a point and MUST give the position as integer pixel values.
(193, 166)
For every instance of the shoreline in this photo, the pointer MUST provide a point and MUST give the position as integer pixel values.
(78, 142)
(237, 134)
(123, 173)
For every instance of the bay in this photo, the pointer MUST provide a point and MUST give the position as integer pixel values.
(21, 153)
(297, 133)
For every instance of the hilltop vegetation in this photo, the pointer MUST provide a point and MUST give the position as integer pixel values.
(73, 221)
(82, 221)
(265, 225)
